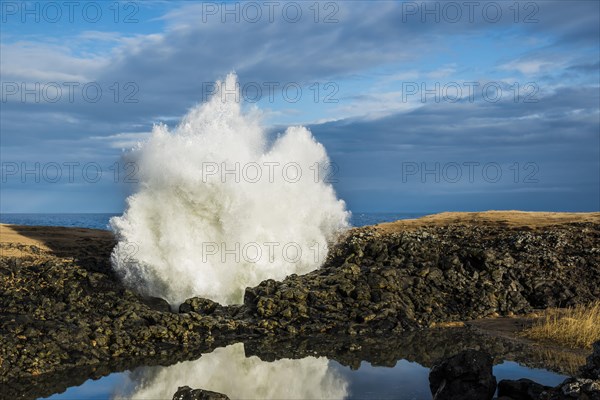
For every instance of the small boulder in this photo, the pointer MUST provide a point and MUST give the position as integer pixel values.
(522, 389)
(157, 304)
(187, 393)
(467, 375)
(200, 305)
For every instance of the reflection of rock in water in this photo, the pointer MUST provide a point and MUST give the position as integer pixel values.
(424, 347)
(227, 370)
(467, 375)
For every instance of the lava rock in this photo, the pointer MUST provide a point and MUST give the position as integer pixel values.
(467, 375)
(390, 282)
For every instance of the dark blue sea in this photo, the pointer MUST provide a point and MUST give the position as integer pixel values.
(100, 220)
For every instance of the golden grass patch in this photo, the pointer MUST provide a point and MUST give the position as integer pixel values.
(577, 327)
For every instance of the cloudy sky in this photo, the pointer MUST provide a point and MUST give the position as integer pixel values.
(422, 106)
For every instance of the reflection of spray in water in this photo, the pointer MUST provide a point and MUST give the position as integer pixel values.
(199, 231)
(227, 370)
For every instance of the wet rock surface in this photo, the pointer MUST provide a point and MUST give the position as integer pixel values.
(468, 375)
(572, 388)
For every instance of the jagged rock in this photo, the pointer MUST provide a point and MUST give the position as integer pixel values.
(522, 389)
(467, 375)
(374, 283)
(187, 393)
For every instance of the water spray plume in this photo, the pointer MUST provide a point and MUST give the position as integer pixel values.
(202, 224)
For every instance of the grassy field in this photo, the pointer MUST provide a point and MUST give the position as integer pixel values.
(577, 327)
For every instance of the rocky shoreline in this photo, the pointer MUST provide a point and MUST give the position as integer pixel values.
(59, 314)
(374, 283)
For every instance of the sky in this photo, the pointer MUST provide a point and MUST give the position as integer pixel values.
(422, 106)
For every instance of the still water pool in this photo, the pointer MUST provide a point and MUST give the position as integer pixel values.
(232, 371)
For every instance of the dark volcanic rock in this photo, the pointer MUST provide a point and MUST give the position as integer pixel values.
(57, 314)
(187, 393)
(199, 305)
(591, 370)
(156, 303)
(375, 283)
(467, 375)
(522, 389)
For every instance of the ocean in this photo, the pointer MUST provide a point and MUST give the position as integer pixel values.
(100, 220)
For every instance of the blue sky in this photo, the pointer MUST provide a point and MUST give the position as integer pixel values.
(423, 106)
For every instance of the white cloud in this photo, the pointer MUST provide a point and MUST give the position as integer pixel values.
(442, 72)
(530, 67)
(123, 140)
(34, 62)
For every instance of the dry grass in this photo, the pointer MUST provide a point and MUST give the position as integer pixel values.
(500, 219)
(577, 327)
